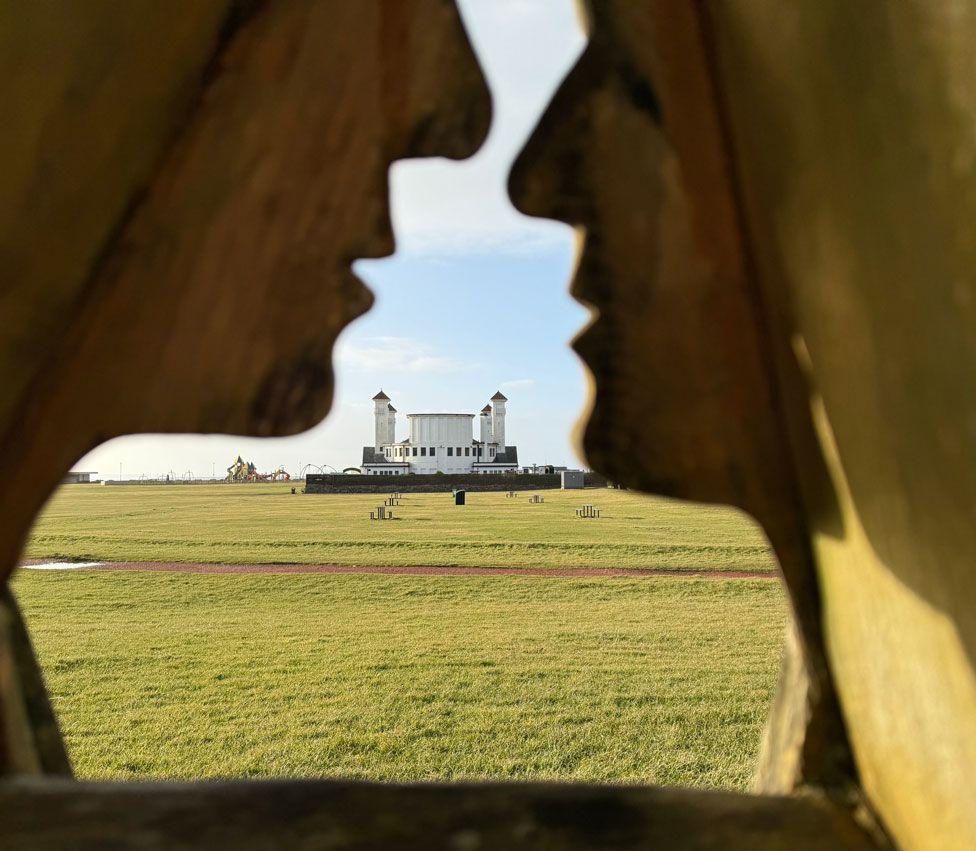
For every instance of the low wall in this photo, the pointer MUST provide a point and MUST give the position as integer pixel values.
(434, 483)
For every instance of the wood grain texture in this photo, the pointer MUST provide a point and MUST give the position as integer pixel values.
(777, 200)
(184, 197)
(777, 204)
(216, 305)
(91, 96)
(854, 142)
(687, 399)
(351, 816)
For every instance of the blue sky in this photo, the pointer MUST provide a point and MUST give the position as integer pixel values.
(474, 300)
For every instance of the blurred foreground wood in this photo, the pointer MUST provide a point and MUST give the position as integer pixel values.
(337, 815)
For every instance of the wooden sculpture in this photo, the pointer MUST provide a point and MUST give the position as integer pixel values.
(178, 188)
(778, 249)
(775, 209)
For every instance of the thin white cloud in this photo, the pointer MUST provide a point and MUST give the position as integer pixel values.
(518, 384)
(394, 354)
(514, 241)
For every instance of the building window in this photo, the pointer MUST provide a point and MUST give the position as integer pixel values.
(415, 452)
(450, 450)
(459, 451)
(467, 450)
(423, 450)
(433, 450)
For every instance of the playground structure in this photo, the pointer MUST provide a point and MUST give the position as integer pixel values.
(242, 471)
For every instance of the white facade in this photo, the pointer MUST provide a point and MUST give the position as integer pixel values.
(439, 443)
(385, 415)
(485, 424)
(498, 420)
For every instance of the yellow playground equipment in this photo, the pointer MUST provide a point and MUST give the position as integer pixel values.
(246, 471)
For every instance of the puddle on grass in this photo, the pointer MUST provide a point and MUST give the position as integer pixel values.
(61, 565)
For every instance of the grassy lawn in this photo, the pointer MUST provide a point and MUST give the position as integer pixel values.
(266, 523)
(663, 680)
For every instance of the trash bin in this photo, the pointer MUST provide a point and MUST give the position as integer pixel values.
(459, 497)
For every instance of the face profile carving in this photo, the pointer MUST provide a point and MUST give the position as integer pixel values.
(631, 152)
(215, 302)
(686, 401)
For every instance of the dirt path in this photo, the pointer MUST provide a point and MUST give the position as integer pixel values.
(422, 570)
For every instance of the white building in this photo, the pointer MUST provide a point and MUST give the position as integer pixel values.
(440, 443)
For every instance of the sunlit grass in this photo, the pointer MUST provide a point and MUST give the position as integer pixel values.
(266, 523)
(177, 675)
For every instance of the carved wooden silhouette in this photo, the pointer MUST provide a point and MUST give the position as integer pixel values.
(777, 214)
(686, 402)
(186, 196)
(779, 253)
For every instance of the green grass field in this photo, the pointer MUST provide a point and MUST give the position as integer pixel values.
(662, 680)
(266, 523)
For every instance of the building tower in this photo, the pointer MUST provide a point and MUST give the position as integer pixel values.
(391, 423)
(384, 420)
(485, 422)
(498, 420)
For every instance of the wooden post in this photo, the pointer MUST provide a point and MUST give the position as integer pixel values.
(31, 741)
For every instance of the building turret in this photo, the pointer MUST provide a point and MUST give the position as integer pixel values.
(498, 420)
(385, 420)
(485, 422)
(391, 424)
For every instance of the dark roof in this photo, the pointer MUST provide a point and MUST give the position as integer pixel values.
(381, 395)
(498, 395)
(509, 456)
(486, 409)
(392, 409)
(371, 456)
